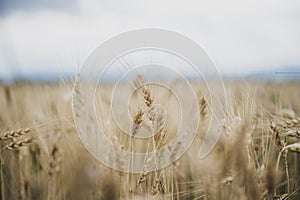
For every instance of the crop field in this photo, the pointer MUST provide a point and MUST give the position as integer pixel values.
(256, 157)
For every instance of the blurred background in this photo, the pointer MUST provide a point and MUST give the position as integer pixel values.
(50, 39)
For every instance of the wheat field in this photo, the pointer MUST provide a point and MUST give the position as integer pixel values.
(256, 157)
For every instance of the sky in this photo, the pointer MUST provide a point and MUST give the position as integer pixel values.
(56, 36)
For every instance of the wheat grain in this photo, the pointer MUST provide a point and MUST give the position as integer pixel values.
(18, 144)
(14, 134)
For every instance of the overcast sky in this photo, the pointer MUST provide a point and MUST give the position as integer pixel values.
(42, 36)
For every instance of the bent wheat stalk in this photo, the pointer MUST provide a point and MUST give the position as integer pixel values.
(294, 148)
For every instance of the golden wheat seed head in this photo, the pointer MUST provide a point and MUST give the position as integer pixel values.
(14, 134)
(18, 144)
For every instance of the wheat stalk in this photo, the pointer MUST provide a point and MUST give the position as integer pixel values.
(292, 147)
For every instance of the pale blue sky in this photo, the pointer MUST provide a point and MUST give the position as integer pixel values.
(55, 36)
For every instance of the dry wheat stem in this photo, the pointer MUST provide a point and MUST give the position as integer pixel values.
(292, 147)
